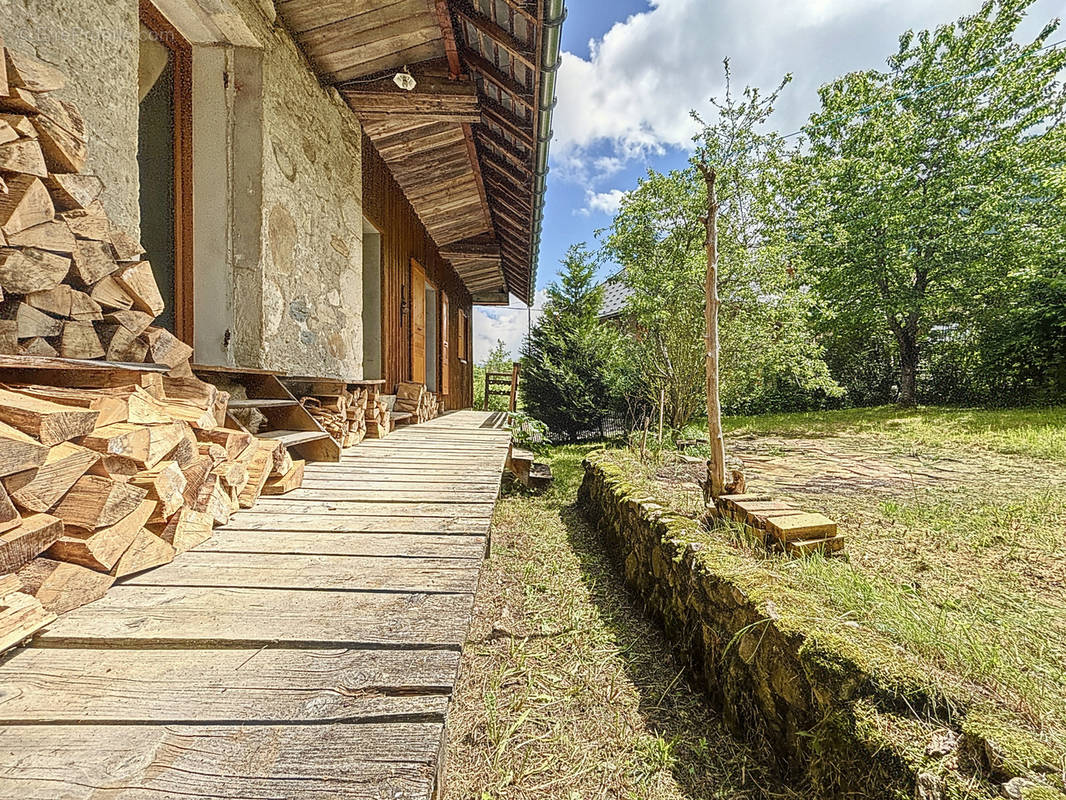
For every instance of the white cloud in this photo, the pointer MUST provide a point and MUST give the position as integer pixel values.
(640, 80)
(605, 202)
(509, 325)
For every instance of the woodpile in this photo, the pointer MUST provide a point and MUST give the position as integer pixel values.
(413, 399)
(108, 471)
(100, 483)
(378, 417)
(342, 415)
(73, 284)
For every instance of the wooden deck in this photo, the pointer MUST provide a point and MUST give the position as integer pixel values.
(308, 650)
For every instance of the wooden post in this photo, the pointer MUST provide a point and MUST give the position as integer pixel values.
(486, 389)
(716, 464)
(514, 387)
(662, 409)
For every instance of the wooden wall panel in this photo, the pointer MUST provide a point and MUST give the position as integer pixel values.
(403, 237)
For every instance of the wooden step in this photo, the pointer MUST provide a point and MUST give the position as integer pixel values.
(540, 477)
(262, 402)
(293, 438)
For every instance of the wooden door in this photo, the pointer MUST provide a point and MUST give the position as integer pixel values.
(445, 353)
(418, 322)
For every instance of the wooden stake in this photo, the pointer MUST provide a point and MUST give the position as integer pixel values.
(716, 464)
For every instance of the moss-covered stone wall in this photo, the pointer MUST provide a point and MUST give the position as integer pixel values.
(847, 713)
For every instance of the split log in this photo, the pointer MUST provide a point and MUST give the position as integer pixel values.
(122, 345)
(53, 236)
(79, 340)
(23, 156)
(123, 439)
(110, 407)
(70, 191)
(25, 205)
(258, 471)
(9, 515)
(147, 551)
(164, 484)
(110, 294)
(93, 261)
(95, 502)
(50, 423)
(293, 479)
(216, 452)
(33, 74)
(40, 488)
(101, 549)
(31, 323)
(212, 500)
(165, 348)
(235, 442)
(88, 223)
(20, 545)
(57, 300)
(196, 473)
(62, 133)
(31, 270)
(9, 342)
(164, 438)
(126, 247)
(37, 347)
(185, 530)
(187, 450)
(19, 451)
(62, 587)
(21, 614)
(139, 282)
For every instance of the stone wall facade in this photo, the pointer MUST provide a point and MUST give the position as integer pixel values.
(850, 720)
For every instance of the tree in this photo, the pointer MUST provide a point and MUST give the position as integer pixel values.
(570, 363)
(498, 360)
(769, 358)
(921, 193)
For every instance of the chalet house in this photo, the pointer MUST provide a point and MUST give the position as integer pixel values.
(323, 188)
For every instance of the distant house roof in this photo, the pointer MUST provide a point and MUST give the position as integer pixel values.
(615, 294)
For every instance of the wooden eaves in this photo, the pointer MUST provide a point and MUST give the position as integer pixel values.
(468, 144)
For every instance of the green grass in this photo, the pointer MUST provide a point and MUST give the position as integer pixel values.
(567, 690)
(1036, 433)
(968, 572)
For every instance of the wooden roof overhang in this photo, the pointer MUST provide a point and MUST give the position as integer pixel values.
(468, 145)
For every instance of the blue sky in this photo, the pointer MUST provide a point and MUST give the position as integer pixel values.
(633, 69)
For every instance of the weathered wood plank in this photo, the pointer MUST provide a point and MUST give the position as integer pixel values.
(395, 495)
(344, 543)
(358, 508)
(249, 762)
(333, 572)
(261, 686)
(137, 616)
(359, 524)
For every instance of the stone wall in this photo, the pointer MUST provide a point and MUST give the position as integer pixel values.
(96, 44)
(306, 289)
(839, 707)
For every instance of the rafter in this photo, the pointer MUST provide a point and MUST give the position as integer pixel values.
(501, 36)
(522, 94)
(508, 150)
(506, 120)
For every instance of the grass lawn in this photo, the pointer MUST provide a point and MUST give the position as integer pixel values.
(956, 538)
(567, 691)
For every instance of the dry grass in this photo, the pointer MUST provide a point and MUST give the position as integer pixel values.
(956, 545)
(567, 689)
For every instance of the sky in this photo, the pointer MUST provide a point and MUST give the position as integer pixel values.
(632, 70)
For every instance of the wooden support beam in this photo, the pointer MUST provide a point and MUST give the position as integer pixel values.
(504, 38)
(505, 148)
(475, 246)
(521, 94)
(499, 114)
(431, 96)
(451, 51)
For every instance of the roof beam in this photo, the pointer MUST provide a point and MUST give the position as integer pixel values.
(433, 96)
(504, 38)
(506, 120)
(522, 94)
(505, 147)
(474, 247)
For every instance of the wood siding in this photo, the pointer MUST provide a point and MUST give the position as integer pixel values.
(403, 238)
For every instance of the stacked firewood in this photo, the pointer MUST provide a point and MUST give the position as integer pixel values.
(73, 284)
(341, 415)
(100, 483)
(413, 399)
(108, 475)
(378, 417)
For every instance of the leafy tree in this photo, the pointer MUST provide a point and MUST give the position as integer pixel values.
(923, 196)
(498, 360)
(570, 363)
(769, 359)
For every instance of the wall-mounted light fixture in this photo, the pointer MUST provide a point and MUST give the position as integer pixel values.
(405, 80)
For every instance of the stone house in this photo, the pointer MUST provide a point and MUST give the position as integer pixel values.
(324, 187)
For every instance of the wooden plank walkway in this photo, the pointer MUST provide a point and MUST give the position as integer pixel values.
(307, 650)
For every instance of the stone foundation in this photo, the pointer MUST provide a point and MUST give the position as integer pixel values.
(838, 706)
